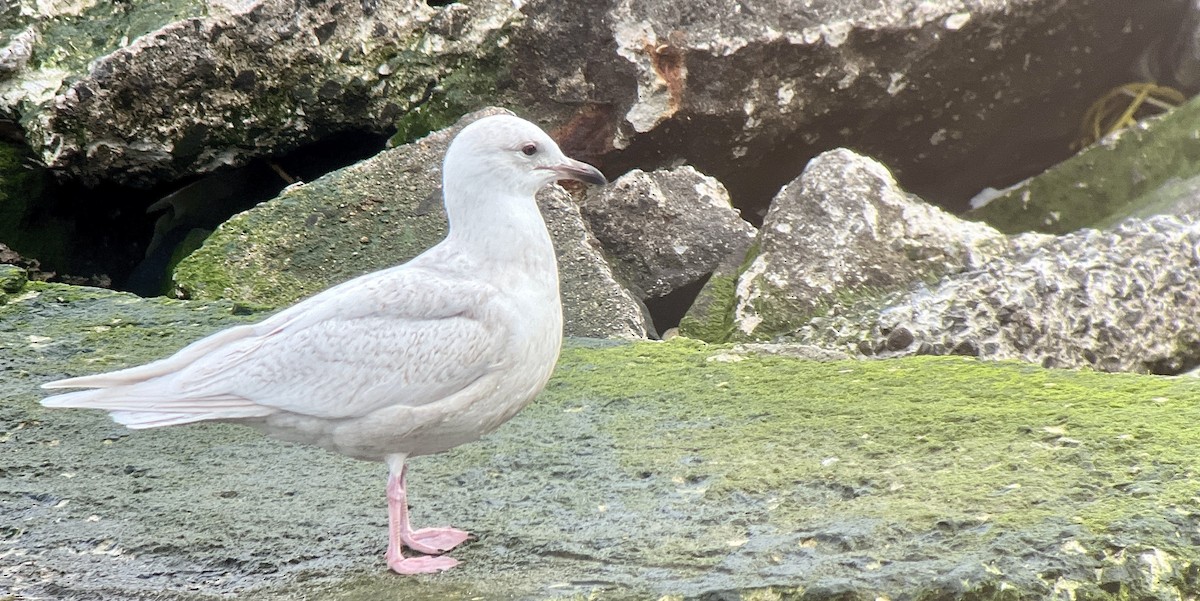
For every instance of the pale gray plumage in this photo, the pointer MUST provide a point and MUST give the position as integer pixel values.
(406, 361)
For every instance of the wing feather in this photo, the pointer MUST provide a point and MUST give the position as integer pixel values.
(406, 335)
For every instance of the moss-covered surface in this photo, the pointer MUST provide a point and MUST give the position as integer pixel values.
(644, 470)
(24, 224)
(710, 318)
(72, 34)
(1105, 182)
(352, 221)
(712, 321)
(470, 84)
(70, 41)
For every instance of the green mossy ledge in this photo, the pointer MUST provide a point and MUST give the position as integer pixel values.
(672, 470)
(1137, 172)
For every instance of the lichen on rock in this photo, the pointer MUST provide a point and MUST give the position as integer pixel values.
(217, 89)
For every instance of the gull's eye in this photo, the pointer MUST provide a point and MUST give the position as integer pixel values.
(529, 149)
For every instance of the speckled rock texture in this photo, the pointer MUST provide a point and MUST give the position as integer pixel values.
(382, 212)
(240, 79)
(1152, 168)
(845, 229)
(666, 229)
(155, 90)
(595, 302)
(847, 261)
(1127, 299)
(918, 478)
(948, 93)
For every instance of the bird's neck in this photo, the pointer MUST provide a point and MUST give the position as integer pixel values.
(506, 230)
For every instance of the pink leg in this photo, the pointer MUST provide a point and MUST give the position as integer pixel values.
(426, 540)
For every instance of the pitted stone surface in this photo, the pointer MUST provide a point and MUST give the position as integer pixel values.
(1121, 300)
(948, 93)
(846, 229)
(666, 229)
(206, 92)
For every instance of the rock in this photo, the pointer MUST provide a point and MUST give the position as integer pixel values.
(595, 304)
(17, 52)
(1141, 171)
(848, 261)
(31, 267)
(947, 93)
(378, 213)
(48, 43)
(666, 229)
(843, 230)
(12, 278)
(611, 484)
(254, 78)
(1121, 300)
(745, 95)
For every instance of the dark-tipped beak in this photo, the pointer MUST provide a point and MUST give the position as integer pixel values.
(578, 170)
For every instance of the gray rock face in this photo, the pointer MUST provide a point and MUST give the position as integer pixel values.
(746, 95)
(595, 304)
(16, 53)
(948, 93)
(254, 78)
(1120, 300)
(666, 229)
(379, 213)
(845, 229)
(848, 261)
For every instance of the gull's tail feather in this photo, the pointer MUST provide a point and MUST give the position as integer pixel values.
(144, 406)
(111, 379)
(150, 396)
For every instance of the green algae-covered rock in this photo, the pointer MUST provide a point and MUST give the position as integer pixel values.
(148, 92)
(52, 42)
(12, 278)
(1147, 169)
(645, 470)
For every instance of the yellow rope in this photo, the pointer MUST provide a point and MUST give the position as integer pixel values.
(1115, 110)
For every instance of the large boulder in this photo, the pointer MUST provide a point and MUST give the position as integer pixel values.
(378, 213)
(234, 80)
(843, 230)
(847, 261)
(1127, 299)
(919, 478)
(952, 95)
(666, 229)
(152, 91)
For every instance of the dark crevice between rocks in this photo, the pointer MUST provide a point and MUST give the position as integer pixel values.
(105, 236)
(667, 311)
(933, 136)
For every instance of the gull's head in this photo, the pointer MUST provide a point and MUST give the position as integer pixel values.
(509, 154)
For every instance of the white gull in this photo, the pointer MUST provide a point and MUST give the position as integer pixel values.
(407, 361)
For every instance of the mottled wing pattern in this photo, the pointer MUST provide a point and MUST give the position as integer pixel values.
(400, 336)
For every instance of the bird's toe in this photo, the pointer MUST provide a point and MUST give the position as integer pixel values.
(421, 565)
(435, 540)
